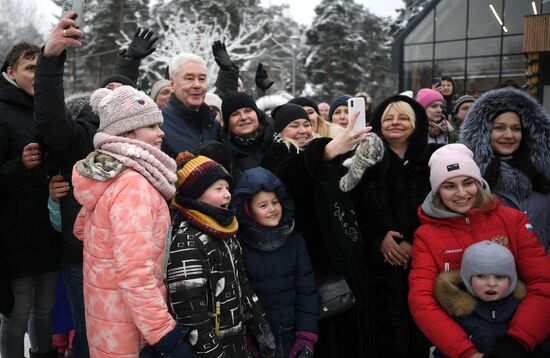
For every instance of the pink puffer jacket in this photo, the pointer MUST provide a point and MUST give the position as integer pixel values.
(124, 224)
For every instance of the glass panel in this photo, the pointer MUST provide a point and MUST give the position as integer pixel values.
(484, 47)
(454, 69)
(423, 32)
(418, 52)
(451, 49)
(482, 21)
(483, 74)
(418, 75)
(514, 11)
(512, 44)
(450, 20)
(546, 7)
(513, 65)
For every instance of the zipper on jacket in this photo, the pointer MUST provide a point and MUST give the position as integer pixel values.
(467, 219)
(217, 318)
(493, 314)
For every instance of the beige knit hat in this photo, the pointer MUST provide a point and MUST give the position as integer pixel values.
(124, 109)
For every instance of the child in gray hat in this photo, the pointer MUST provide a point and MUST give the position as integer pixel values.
(483, 295)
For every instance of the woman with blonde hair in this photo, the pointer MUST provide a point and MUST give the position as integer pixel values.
(319, 124)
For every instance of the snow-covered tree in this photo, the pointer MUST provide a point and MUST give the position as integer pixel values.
(349, 51)
(17, 20)
(185, 31)
(406, 14)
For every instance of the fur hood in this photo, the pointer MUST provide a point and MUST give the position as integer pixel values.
(475, 132)
(418, 142)
(76, 102)
(452, 296)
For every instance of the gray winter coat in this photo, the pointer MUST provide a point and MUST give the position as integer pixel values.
(516, 180)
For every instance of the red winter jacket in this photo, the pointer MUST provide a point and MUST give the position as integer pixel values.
(439, 245)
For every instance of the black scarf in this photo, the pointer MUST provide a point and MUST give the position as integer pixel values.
(268, 239)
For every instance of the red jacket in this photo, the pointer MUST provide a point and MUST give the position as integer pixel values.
(439, 245)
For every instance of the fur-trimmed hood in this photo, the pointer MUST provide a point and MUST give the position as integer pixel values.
(75, 103)
(452, 296)
(475, 132)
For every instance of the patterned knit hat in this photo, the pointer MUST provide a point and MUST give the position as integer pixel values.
(487, 258)
(124, 109)
(197, 173)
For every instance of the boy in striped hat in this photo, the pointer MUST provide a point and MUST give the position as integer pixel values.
(208, 288)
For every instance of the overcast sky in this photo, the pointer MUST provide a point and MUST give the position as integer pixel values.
(302, 10)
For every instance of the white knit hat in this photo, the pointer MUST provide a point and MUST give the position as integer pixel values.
(487, 258)
(124, 109)
(452, 160)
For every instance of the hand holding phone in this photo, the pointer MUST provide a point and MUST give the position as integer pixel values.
(357, 104)
(76, 6)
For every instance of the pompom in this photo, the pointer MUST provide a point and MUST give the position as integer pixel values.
(184, 157)
(96, 98)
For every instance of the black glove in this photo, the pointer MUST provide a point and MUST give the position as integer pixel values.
(262, 81)
(141, 45)
(508, 347)
(172, 345)
(221, 56)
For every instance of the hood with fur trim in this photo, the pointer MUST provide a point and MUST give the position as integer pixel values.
(452, 296)
(475, 132)
(418, 142)
(75, 103)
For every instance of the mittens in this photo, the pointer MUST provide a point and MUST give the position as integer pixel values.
(173, 344)
(303, 339)
(366, 155)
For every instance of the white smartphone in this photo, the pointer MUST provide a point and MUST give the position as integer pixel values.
(357, 104)
(76, 6)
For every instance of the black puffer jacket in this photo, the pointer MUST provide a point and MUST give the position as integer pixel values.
(387, 198)
(68, 132)
(29, 243)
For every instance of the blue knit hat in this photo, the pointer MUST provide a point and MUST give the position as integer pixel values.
(338, 101)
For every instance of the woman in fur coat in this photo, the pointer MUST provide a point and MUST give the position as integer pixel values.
(388, 191)
(509, 133)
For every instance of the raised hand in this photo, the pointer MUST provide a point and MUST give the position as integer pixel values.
(221, 56)
(262, 80)
(142, 44)
(346, 140)
(63, 35)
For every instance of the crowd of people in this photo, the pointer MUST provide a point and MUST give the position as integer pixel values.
(189, 223)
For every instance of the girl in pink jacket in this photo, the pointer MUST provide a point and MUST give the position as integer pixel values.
(124, 222)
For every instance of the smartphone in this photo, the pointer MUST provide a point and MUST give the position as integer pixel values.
(74, 6)
(436, 81)
(357, 104)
